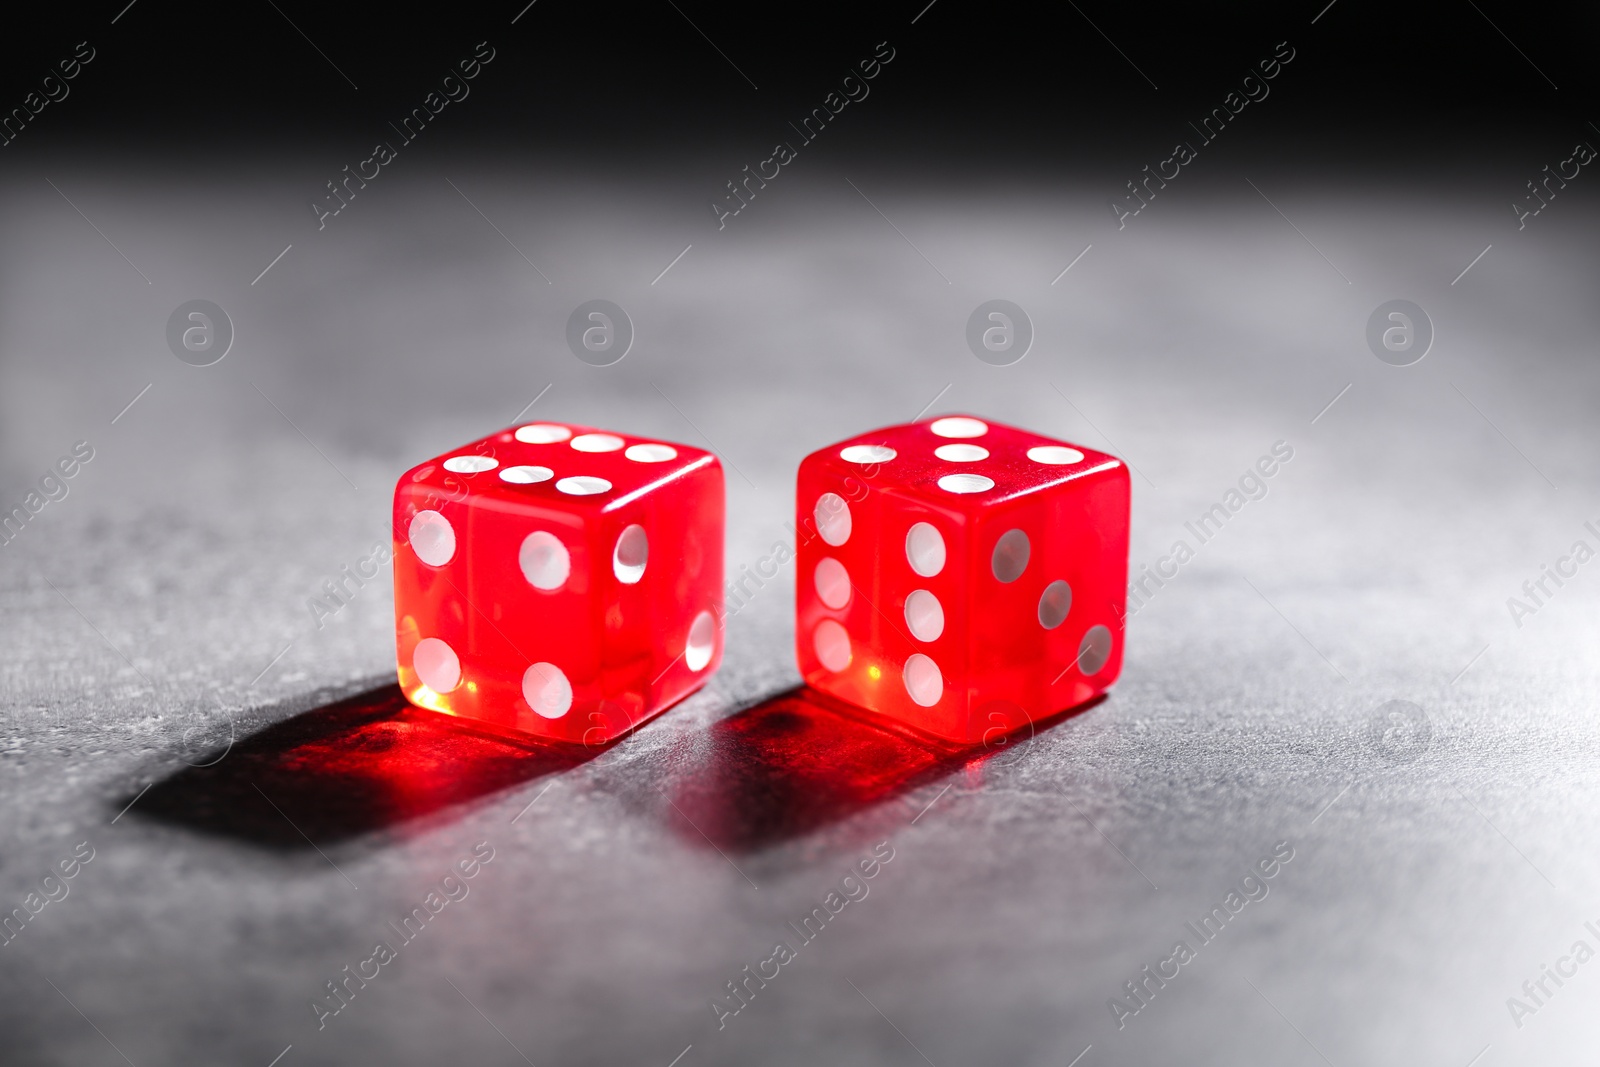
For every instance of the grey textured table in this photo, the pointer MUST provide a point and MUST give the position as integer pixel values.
(261, 808)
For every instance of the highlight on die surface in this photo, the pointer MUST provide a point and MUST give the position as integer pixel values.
(559, 580)
(962, 577)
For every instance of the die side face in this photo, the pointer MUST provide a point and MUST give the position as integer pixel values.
(960, 576)
(558, 580)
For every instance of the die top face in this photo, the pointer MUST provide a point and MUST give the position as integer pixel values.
(963, 465)
(575, 469)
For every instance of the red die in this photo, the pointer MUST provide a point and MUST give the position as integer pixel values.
(558, 580)
(965, 577)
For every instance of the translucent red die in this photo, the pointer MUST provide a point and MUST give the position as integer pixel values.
(962, 577)
(559, 580)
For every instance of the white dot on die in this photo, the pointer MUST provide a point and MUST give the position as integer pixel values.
(702, 640)
(925, 549)
(583, 485)
(958, 426)
(544, 560)
(833, 518)
(432, 538)
(1094, 651)
(1054, 454)
(437, 665)
(966, 483)
(924, 615)
(1010, 556)
(1054, 604)
(923, 681)
(631, 554)
(832, 582)
(546, 689)
(867, 453)
(650, 453)
(831, 643)
(961, 453)
(597, 442)
(526, 475)
(542, 433)
(470, 464)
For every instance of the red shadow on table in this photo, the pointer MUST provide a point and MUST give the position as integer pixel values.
(800, 761)
(368, 763)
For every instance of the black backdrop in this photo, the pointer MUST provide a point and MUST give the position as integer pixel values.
(1375, 85)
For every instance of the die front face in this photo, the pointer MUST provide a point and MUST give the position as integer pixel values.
(962, 577)
(558, 580)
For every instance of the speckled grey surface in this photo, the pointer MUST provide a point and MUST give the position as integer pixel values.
(1433, 872)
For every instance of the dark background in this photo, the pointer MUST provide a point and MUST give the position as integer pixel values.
(1380, 89)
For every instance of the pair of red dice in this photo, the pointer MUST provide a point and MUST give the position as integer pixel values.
(957, 576)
